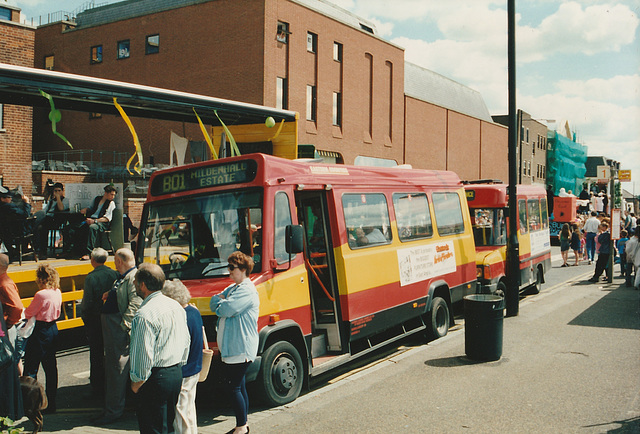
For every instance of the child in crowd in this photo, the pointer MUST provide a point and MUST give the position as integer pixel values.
(620, 245)
(575, 243)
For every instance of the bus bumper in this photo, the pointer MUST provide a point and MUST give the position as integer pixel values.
(486, 287)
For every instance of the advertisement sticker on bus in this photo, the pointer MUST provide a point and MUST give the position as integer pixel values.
(424, 262)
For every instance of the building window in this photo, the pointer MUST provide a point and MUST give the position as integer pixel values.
(123, 49)
(5, 14)
(48, 63)
(281, 94)
(337, 52)
(282, 34)
(337, 109)
(96, 54)
(152, 45)
(311, 103)
(312, 42)
(527, 135)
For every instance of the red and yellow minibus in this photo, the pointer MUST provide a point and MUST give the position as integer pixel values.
(488, 206)
(347, 258)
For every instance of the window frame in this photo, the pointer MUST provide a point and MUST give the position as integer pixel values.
(282, 93)
(398, 212)
(337, 51)
(336, 113)
(149, 48)
(354, 219)
(312, 44)
(128, 42)
(279, 228)
(442, 214)
(312, 102)
(96, 57)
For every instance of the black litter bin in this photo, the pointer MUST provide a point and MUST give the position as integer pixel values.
(483, 315)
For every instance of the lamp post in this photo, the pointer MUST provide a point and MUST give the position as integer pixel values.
(512, 294)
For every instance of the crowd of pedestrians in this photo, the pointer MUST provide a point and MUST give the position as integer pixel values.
(143, 336)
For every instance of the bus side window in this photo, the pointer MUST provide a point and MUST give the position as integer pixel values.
(367, 219)
(522, 212)
(412, 216)
(544, 212)
(282, 218)
(534, 214)
(448, 212)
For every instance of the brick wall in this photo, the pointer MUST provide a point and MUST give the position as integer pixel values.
(16, 48)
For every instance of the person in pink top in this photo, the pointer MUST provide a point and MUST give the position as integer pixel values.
(45, 306)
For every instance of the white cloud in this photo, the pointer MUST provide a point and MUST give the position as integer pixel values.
(624, 90)
(572, 29)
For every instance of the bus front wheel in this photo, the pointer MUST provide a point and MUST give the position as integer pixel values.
(281, 374)
(438, 324)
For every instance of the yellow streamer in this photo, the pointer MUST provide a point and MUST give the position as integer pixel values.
(234, 147)
(214, 154)
(279, 129)
(54, 117)
(136, 142)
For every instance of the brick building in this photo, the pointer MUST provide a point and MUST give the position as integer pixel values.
(531, 153)
(16, 48)
(356, 100)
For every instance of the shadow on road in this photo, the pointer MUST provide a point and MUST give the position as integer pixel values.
(457, 361)
(619, 309)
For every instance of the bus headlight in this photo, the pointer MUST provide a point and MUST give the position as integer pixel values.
(479, 273)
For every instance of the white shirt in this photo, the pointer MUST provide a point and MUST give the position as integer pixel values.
(591, 225)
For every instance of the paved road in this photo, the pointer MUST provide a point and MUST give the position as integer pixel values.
(571, 363)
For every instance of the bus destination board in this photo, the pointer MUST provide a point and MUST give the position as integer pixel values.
(195, 178)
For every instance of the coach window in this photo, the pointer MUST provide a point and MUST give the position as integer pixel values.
(534, 214)
(544, 213)
(282, 219)
(96, 54)
(412, 216)
(367, 219)
(522, 213)
(448, 212)
(152, 45)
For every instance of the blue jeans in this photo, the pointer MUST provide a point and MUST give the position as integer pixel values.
(591, 245)
(239, 398)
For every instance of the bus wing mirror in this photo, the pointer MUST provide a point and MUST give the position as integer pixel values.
(295, 239)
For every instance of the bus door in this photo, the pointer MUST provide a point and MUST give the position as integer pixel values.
(320, 263)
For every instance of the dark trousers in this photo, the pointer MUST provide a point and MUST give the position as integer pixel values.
(602, 264)
(157, 399)
(238, 391)
(591, 245)
(93, 328)
(41, 349)
(87, 237)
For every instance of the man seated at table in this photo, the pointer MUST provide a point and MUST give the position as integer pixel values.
(86, 235)
(12, 216)
(50, 217)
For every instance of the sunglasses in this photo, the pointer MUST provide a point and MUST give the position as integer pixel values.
(232, 267)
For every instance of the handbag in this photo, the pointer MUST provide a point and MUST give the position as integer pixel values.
(207, 355)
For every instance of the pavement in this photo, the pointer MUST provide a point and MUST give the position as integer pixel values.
(570, 363)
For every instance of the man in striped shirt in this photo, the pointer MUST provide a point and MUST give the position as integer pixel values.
(159, 347)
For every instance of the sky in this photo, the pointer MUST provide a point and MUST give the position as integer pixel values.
(578, 61)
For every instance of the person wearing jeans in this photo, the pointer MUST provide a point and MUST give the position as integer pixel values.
(591, 230)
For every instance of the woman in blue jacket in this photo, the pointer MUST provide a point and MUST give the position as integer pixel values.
(237, 308)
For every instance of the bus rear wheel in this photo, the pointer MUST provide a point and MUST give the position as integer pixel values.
(438, 319)
(281, 374)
